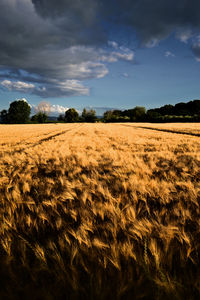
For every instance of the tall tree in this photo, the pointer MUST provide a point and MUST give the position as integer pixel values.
(40, 117)
(19, 112)
(71, 116)
(89, 115)
(135, 114)
(4, 116)
(61, 117)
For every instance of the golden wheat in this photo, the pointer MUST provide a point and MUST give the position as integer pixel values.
(100, 211)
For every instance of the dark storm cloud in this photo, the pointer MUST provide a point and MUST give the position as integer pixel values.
(24, 33)
(83, 12)
(152, 18)
(155, 20)
(47, 43)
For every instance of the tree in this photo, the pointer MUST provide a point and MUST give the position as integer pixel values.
(71, 116)
(19, 112)
(193, 107)
(108, 115)
(167, 109)
(137, 113)
(153, 115)
(4, 116)
(113, 116)
(40, 117)
(89, 115)
(61, 117)
(180, 109)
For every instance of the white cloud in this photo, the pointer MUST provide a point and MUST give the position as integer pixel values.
(152, 43)
(58, 109)
(17, 85)
(184, 35)
(125, 75)
(115, 56)
(169, 54)
(22, 99)
(86, 70)
(68, 68)
(113, 44)
(120, 52)
(74, 85)
(50, 109)
(55, 88)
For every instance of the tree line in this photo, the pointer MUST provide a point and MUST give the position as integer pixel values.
(19, 113)
(180, 112)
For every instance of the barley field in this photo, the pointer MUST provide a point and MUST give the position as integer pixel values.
(100, 211)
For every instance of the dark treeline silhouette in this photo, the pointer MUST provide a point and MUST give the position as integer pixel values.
(137, 114)
(181, 112)
(19, 112)
(184, 112)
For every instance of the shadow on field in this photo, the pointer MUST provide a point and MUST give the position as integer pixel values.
(76, 231)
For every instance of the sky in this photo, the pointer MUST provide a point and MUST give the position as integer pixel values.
(102, 54)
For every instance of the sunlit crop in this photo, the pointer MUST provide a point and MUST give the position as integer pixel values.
(100, 211)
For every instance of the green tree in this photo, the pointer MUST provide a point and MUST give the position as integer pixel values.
(4, 116)
(40, 117)
(61, 117)
(108, 115)
(153, 115)
(89, 115)
(180, 109)
(113, 116)
(19, 112)
(139, 113)
(167, 109)
(71, 116)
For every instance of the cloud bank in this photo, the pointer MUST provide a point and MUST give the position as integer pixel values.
(51, 109)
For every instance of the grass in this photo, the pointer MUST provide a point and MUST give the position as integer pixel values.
(98, 211)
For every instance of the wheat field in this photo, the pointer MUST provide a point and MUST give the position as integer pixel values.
(100, 211)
